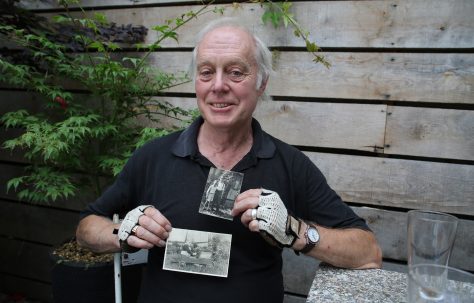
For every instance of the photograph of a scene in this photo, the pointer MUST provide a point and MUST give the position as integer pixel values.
(198, 252)
(222, 187)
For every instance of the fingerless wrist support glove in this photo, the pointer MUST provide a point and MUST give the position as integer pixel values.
(276, 225)
(128, 223)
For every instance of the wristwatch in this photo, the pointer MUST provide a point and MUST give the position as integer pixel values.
(312, 238)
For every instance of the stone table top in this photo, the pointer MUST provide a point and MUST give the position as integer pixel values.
(369, 285)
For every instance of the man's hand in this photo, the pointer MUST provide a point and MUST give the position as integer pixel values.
(263, 210)
(151, 228)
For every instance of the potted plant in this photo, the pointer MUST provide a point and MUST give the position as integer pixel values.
(78, 142)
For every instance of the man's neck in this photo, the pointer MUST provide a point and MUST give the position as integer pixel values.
(225, 147)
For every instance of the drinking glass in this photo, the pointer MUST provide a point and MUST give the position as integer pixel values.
(430, 237)
(438, 283)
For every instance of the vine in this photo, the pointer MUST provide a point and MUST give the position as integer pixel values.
(79, 139)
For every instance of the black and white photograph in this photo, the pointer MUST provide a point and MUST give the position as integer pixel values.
(222, 187)
(198, 252)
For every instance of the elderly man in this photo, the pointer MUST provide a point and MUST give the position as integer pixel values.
(285, 200)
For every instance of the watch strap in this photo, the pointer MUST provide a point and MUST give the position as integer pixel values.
(309, 245)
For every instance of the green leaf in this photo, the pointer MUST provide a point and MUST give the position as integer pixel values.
(61, 19)
(100, 18)
(14, 183)
(161, 28)
(98, 45)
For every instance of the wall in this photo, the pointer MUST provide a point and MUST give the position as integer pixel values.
(390, 124)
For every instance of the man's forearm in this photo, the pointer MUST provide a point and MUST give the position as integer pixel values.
(96, 233)
(347, 248)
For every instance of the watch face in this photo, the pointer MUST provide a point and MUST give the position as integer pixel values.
(313, 235)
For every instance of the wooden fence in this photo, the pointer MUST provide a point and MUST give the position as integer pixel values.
(390, 124)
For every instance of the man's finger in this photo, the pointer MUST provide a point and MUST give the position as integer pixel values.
(158, 217)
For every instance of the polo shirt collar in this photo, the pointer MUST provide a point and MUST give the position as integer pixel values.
(186, 144)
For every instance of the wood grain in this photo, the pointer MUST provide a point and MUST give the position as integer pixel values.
(430, 132)
(383, 24)
(43, 225)
(377, 181)
(400, 183)
(440, 78)
(25, 259)
(390, 228)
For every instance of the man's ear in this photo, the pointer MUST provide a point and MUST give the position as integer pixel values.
(263, 86)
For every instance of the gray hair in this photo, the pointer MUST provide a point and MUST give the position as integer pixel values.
(263, 56)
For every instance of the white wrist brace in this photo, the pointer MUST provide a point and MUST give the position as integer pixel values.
(130, 221)
(275, 224)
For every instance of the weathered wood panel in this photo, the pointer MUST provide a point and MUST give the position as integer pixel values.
(348, 126)
(425, 132)
(353, 126)
(437, 77)
(6, 154)
(377, 181)
(40, 224)
(9, 172)
(298, 272)
(385, 24)
(11, 100)
(400, 183)
(390, 227)
(25, 259)
(443, 78)
(293, 299)
(32, 289)
(429, 132)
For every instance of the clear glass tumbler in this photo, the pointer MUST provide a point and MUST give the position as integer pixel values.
(430, 237)
(439, 283)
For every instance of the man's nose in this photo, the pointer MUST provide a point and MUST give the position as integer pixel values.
(220, 81)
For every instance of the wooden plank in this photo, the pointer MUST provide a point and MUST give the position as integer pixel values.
(430, 132)
(352, 126)
(6, 154)
(288, 298)
(399, 183)
(298, 272)
(349, 126)
(337, 125)
(43, 225)
(392, 266)
(442, 78)
(372, 180)
(410, 130)
(25, 259)
(9, 171)
(33, 290)
(11, 100)
(390, 230)
(425, 132)
(436, 77)
(385, 24)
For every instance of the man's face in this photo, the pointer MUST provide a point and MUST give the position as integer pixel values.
(226, 78)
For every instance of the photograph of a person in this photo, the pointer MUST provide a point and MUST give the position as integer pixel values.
(222, 187)
(198, 252)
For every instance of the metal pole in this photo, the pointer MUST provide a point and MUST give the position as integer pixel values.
(117, 270)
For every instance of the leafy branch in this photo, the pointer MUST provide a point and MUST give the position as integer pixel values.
(278, 13)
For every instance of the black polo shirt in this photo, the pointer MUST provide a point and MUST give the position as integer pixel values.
(171, 174)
